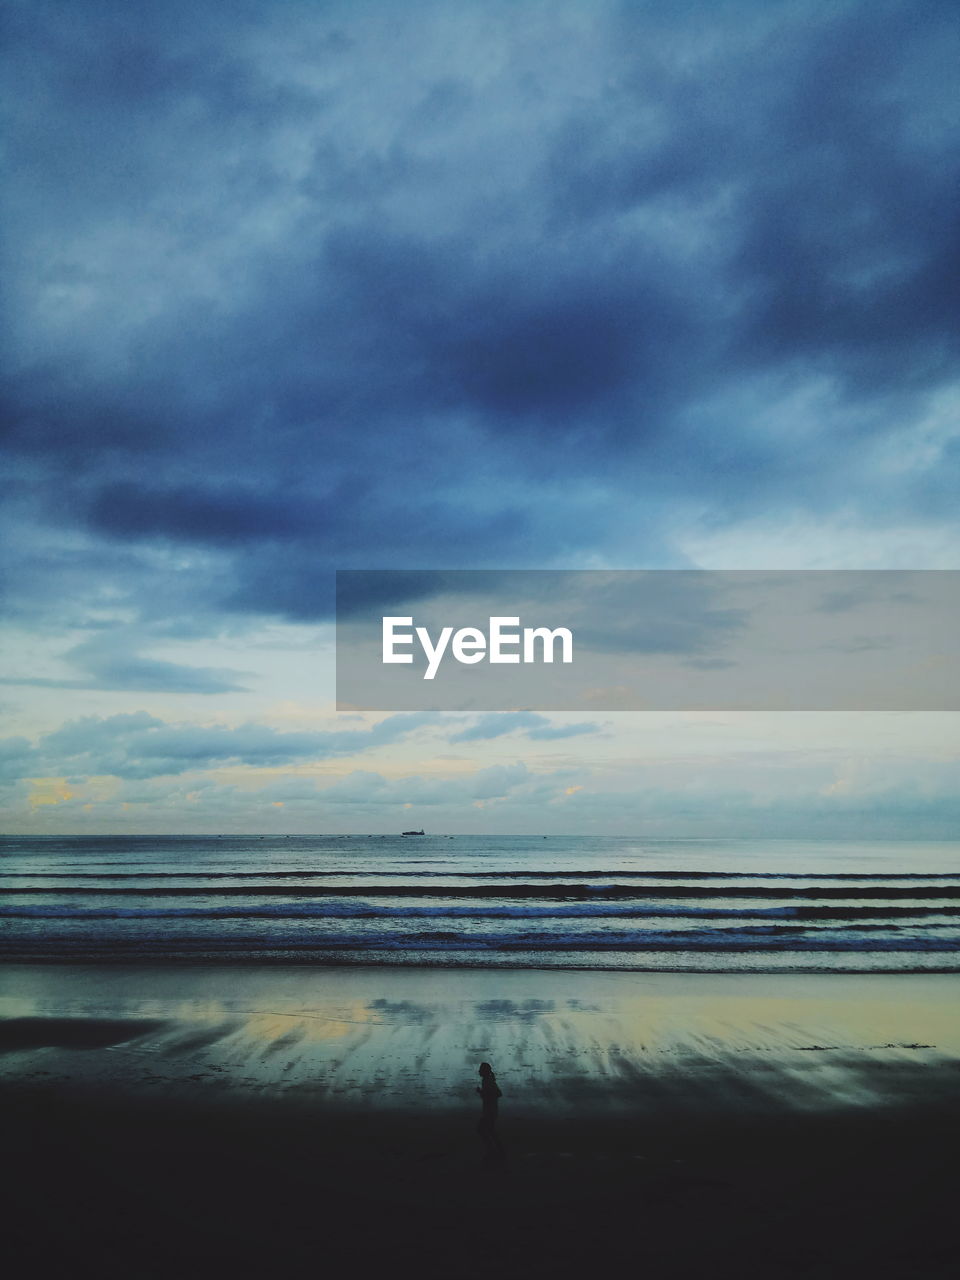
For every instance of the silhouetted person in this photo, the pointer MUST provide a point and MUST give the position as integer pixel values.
(489, 1092)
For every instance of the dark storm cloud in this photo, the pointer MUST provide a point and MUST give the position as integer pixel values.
(535, 336)
(296, 287)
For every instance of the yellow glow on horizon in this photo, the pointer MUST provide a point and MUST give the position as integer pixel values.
(48, 791)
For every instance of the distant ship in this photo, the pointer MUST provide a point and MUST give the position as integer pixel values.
(411, 833)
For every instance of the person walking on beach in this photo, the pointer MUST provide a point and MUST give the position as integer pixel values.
(490, 1094)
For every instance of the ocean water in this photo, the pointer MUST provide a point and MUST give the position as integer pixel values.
(484, 901)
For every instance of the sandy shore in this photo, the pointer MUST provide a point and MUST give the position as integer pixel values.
(220, 1122)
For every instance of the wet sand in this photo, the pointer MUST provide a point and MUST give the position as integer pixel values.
(219, 1121)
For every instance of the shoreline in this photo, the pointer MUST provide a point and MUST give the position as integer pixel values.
(224, 1121)
(378, 960)
(398, 1035)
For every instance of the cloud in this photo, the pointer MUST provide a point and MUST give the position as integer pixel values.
(18, 758)
(140, 746)
(111, 660)
(146, 751)
(111, 666)
(269, 291)
(491, 785)
(530, 723)
(293, 288)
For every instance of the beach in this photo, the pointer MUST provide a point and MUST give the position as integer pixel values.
(480, 770)
(224, 1120)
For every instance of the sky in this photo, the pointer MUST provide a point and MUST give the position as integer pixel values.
(297, 286)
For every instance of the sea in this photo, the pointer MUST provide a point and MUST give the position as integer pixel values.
(568, 902)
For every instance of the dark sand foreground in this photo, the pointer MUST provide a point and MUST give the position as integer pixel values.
(222, 1122)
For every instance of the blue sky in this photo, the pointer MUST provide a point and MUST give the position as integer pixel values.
(294, 287)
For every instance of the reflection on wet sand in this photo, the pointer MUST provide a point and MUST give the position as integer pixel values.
(412, 1038)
